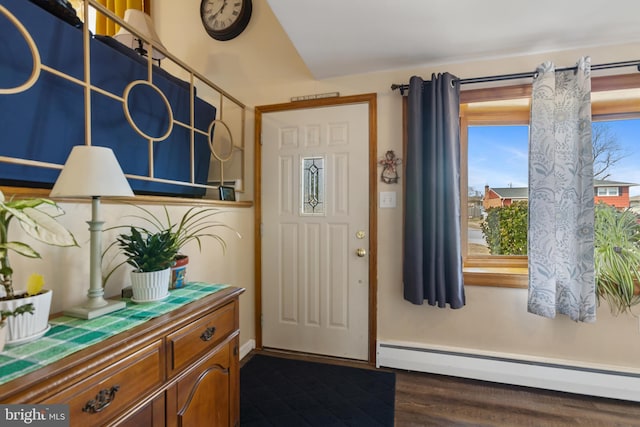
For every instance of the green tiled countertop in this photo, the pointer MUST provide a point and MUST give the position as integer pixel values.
(69, 334)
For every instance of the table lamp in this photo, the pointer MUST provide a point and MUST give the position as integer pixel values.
(92, 171)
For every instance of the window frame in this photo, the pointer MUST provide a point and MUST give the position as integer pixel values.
(608, 192)
(512, 271)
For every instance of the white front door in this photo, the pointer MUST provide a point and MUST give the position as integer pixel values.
(315, 230)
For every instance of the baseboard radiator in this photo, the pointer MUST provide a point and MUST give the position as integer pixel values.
(550, 374)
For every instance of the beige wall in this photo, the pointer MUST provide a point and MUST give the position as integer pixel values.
(261, 67)
(66, 270)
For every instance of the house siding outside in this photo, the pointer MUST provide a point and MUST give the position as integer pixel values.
(621, 201)
(493, 200)
(500, 197)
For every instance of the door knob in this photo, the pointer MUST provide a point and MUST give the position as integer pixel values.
(361, 252)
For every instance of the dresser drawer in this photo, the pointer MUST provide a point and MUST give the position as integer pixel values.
(100, 397)
(195, 339)
(108, 393)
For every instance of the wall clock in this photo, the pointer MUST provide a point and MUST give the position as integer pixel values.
(225, 19)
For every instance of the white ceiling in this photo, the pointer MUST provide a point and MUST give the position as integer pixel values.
(343, 37)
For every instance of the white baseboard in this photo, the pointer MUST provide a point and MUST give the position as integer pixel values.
(246, 348)
(550, 374)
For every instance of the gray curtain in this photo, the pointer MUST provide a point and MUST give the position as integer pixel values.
(561, 206)
(432, 262)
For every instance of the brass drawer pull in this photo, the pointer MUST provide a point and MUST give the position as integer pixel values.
(102, 400)
(208, 333)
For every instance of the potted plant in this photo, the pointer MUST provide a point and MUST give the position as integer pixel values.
(195, 225)
(37, 217)
(617, 257)
(6, 314)
(151, 254)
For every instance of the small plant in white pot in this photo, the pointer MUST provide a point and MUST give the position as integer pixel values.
(37, 218)
(195, 225)
(151, 255)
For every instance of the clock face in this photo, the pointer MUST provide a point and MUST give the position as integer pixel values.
(225, 19)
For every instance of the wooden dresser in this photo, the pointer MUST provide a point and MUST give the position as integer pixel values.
(179, 369)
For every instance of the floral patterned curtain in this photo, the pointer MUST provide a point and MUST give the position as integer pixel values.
(561, 205)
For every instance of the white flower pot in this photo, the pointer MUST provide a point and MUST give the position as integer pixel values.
(28, 327)
(151, 286)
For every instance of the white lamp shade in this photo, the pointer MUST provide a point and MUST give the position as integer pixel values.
(142, 24)
(91, 171)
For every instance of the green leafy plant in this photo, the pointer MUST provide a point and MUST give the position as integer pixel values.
(195, 225)
(166, 235)
(37, 217)
(617, 257)
(147, 252)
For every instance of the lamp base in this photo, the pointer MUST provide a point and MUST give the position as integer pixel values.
(93, 312)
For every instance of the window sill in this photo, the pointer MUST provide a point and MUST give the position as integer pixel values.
(503, 277)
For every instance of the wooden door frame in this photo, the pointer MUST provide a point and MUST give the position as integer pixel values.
(371, 100)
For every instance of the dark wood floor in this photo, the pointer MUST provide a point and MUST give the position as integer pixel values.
(436, 400)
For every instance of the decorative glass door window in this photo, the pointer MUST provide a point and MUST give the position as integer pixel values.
(313, 197)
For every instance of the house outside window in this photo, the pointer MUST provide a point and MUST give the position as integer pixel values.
(605, 192)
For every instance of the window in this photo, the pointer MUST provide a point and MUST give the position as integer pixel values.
(608, 191)
(312, 186)
(497, 171)
(494, 139)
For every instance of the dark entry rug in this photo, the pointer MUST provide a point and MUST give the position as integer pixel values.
(279, 392)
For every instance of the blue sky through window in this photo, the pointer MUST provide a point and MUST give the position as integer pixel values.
(497, 155)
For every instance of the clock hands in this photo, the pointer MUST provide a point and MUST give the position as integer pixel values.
(217, 8)
(216, 13)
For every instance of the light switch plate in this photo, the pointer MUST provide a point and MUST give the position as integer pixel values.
(387, 199)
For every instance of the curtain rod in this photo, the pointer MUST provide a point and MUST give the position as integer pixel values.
(635, 63)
